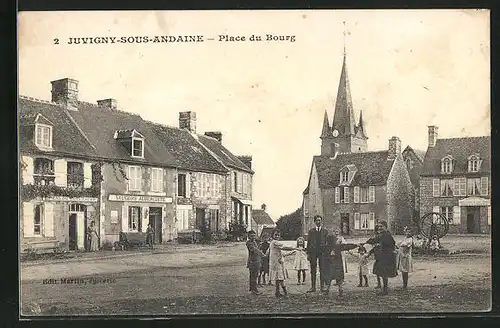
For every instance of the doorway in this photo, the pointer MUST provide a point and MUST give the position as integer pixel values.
(77, 227)
(344, 224)
(473, 216)
(200, 218)
(156, 221)
(72, 232)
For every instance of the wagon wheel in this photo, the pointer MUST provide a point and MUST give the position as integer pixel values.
(436, 222)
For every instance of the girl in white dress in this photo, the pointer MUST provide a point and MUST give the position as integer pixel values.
(404, 261)
(277, 264)
(300, 262)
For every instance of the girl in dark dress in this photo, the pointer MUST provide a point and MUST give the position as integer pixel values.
(334, 263)
(264, 269)
(376, 252)
(385, 265)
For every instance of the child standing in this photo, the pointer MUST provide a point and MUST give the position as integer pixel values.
(434, 245)
(362, 266)
(276, 263)
(264, 269)
(300, 263)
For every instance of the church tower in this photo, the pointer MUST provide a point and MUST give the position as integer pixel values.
(349, 136)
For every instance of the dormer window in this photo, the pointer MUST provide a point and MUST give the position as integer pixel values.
(474, 163)
(43, 135)
(132, 140)
(138, 147)
(344, 176)
(447, 164)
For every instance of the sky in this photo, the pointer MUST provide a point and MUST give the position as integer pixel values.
(407, 69)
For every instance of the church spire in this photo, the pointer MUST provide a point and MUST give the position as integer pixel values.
(343, 119)
(361, 125)
(326, 131)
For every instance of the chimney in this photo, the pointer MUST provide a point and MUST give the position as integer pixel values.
(263, 207)
(187, 120)
(247, 160)
(394, 148)
(433, 135)
(215, 134)
(65, 92)
(108, 103)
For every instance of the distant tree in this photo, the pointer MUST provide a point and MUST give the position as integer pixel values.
(290, 225)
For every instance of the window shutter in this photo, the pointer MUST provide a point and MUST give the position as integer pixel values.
(48, 220)
(124, 218)
(159, 181)
(80, 230)
(145, 221)
(87, 175)
(60, 171)
(371, 194)
(139, 178)
(484, 186)
(489, 215)
(28, 170)
(337, 195)
(435, 187)
(356, 221)
(356, 194)
(371, 222)
(456, 215)
(346, 194)
(28, 219)
(456, 187)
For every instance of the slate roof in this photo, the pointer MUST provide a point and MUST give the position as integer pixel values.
(261, 217)
(224, 155)
(373, 168)
(460, 149)
(100, 124)
(188, 151)
(66, 137)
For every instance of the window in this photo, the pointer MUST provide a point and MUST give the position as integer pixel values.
(474, 187)
(156, 180)
(446, 165)
(37, 221)
(44, 171)
(344, 176)
(474, 163)
(134, 178)
(342, 195)
(460, 188)
(408, 163)
(447, 211)
(137, 147)
(235, 181)
(446, 188)
(134, 215)
(181, 185)
(75, 175)
(43, 136)
(364, 221)
(484, 186)
(182, 222)
(371, 194)
(337, 195)
(435, 187)
(364, 195)
(213, 219)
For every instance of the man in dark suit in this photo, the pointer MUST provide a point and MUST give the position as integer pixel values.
(316, 241)
(254, 261)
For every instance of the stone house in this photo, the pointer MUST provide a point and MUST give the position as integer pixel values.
(414, 160)
(261, 220)
(59, 192)
(350, 187)
(455, 181)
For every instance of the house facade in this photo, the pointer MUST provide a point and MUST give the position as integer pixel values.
(414, 160)
(58, 179)
(455, 181)
(261, 220)
(350, 187)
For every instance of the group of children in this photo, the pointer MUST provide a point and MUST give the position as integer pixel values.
(273, 266)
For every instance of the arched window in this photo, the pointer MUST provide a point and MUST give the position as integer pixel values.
(474, 163)
(44, 171)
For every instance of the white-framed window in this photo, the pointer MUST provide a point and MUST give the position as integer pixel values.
(436, 188)
(446, 188)
(484, 186)
(447, 165)
(364, 221)
(38, 219)
(371, 194)
(474, 187)
(157, 179)
(344, 195)
(44, 173)
(43, 135)
(364, 195)
(182, 217)
(134, 178)
(460, 188)
(134, 218)
(137, 147)
(356, 194)
(344, 176)
(474, 163)
(447, 211)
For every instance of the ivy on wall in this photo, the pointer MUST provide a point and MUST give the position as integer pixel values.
(29, 192)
